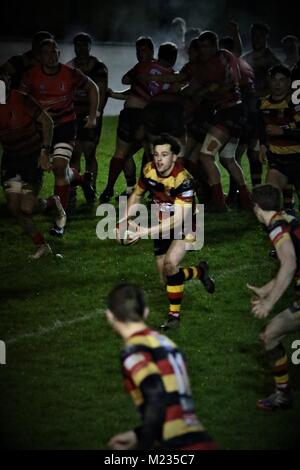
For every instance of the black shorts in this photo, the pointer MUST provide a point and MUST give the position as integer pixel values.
(287, 165)
(88, 135)
(26, 167)
(65, 132)
(129, 123)
(199, 122)
(161, 245)
(164, 117)
(231, 119)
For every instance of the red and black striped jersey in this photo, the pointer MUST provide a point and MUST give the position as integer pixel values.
(286, 227)
(19, 133)
(177, 188)
(150, 354)
(222, 69)
(55, 92)
(286, 115)
(97, 71)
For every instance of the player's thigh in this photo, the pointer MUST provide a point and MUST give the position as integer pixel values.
(282, 324)
(175, 254)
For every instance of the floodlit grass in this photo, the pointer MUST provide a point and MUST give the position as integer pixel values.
(61, 387)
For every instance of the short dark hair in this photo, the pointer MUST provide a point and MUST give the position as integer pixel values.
(267, 197)
(48, 43)
(145, 41)
(168, 52)
(227, 43)
(210, 36)
(260, 26)
(127, 302)
(280, 69)
(190, 34)
(40, 36)
(168, 139)
(82, 37)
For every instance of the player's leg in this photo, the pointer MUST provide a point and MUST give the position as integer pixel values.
(177, 276)
(61, 157)
(228, 160)
(28, 203)
(285, 322)
(276, 178)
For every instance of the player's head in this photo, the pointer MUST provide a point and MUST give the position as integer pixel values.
(290, 45)
(126, 304)
(280, 81)
(227, 43)
(82, 45)
(194, 50)
(265, 198)
(167, 53)
(189, 35)
(49, 54)
(165, 152)
(259, 36)
(208, 45)
(178, 29)
(144, 49)
(38, 38)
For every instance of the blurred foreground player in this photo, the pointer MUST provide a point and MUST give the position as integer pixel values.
(25, 134)
(284, 233)
(155, 375)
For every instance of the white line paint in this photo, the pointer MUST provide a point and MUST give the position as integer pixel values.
(58, 324)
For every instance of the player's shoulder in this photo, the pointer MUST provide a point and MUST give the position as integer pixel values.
(180, 174)
(149, 168)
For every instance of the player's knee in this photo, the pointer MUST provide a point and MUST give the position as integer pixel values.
(169, 267)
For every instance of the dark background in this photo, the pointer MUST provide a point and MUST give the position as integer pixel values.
(118, 20)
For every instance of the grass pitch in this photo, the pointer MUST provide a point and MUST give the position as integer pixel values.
(61, 387)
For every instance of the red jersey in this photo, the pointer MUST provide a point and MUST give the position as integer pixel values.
(147, 90)
(246, 77)
(55, 92)
(19, 135)
(221, 69)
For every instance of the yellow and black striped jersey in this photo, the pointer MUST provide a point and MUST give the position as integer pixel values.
(285, 115)
(150, 354)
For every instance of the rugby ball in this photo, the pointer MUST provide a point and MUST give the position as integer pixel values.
(128, 237)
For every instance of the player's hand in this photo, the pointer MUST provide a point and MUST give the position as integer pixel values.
(258, 291)
(274, 130)
(124, 441)
(263, 154)
(44, 160)
(90, 123)
(261, 307)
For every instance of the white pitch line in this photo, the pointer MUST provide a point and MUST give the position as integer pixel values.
(56, 326)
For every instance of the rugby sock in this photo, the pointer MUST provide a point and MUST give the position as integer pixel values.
(38, 238)
(279, 364)
(255, 170)
(245, 198)
(288, 192)
(191, 272)
(63, 192)
(217, 195)
(115, 168)
(175, 287)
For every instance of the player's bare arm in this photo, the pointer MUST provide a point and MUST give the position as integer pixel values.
(46, 122)
(93, 96)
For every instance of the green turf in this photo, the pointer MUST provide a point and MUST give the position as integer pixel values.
(61, 387)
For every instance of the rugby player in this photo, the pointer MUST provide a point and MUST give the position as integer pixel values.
(170, 187)
(53, 85)
(284, 233)
(155, 375)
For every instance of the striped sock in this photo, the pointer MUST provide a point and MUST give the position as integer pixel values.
(191, 272)
(279, 364)
(175, 287)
